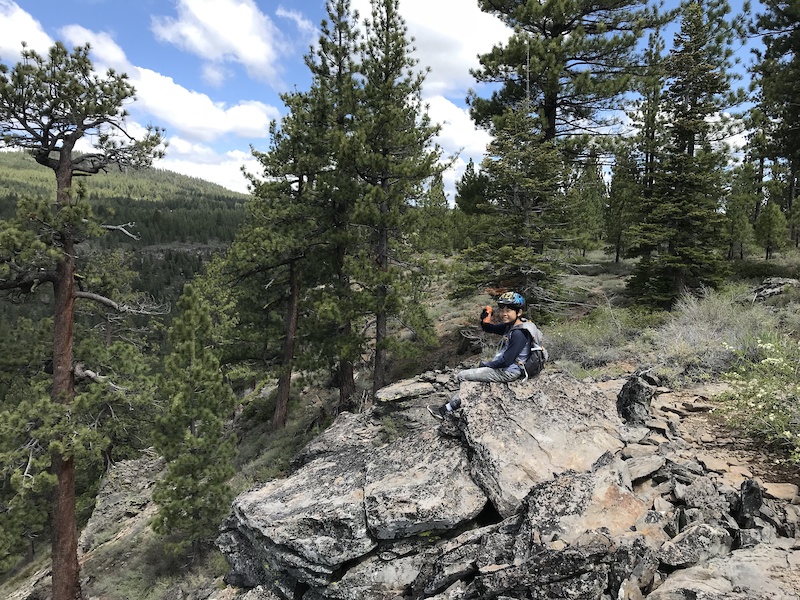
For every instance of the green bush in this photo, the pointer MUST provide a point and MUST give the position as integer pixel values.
(764, 403)
(605, 336)
(706, 335)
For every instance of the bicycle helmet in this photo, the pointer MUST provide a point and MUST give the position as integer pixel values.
(511, 299)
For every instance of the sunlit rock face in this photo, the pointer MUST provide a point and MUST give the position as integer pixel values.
(535, 489)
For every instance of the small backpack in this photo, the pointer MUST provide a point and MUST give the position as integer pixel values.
(538, 354)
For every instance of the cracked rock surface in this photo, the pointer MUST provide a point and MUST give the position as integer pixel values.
(549, 488)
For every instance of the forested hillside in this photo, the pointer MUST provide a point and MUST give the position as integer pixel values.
(178, 221)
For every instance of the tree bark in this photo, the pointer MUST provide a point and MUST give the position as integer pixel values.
(289, 347)
(381, 329)
(345, 372)
(66, 571)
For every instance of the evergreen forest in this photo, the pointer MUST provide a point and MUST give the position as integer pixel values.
(141, 310)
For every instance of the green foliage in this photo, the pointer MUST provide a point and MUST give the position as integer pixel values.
(77, 102)
(471, 190)
(756, 269)
(109, 420)
(624, 197)
(532, 274)
(706, 333)
(27, 424)
(527, 208)
(777, 75)
(680, 238)
(738, 207)
(771, 231)
(587, 199)
(569, 60)
(765, 397)
(193, 495)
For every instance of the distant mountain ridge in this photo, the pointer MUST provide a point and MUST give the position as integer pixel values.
(179, 221)
(21, 174)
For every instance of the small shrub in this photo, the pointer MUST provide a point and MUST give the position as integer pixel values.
(764, 403)
(706, 335)
(605, 336)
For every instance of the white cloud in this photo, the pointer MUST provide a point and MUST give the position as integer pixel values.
(203, 163)
(458, 131)
(215, 75)
(195, 115)
(304, 26)
(192, 114)
(448, 36)
(106, 52)
(17, 26)
(225, 31)
(458, 135)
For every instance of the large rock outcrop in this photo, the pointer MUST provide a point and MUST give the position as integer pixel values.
(537, 489)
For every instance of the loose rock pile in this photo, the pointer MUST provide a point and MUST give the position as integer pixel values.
(537, 490)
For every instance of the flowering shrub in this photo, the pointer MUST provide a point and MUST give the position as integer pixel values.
(764, 401)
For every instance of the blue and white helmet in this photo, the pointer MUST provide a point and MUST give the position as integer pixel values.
(512, 300)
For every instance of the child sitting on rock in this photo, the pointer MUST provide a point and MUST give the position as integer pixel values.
(521, 340)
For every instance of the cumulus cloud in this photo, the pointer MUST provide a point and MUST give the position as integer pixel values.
(225, 31)
(192, 114)
(204, 163)
(458, 137)
(106, 53)
(448, 36)
(195, 115)
(17, 26)
(306, 28)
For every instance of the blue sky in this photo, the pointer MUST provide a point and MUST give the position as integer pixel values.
(210, 71)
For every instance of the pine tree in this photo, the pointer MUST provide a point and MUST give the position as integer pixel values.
(587, 199)
(397, 158)
(283, 237)
(624, 199)
(737, 209)
(777, 76)
(525, 191)
(647, 114)
(337, 301)
(48, 104)
(570, 61)
(288, 262)
(680, 239)
(471, 190)
(194, 494)
(433, 226)
(772, 231)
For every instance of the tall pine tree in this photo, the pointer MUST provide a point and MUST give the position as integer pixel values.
(680, 239)
(777, 75)
(397, 157)
(50, 105)
(194, 495)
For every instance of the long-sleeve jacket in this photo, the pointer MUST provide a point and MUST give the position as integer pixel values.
(513, 350)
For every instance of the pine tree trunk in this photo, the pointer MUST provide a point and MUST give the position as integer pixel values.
(347, 381)
(345, 371)
(381, 329)
(289, 346)
(66, 571)
(550, 112)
